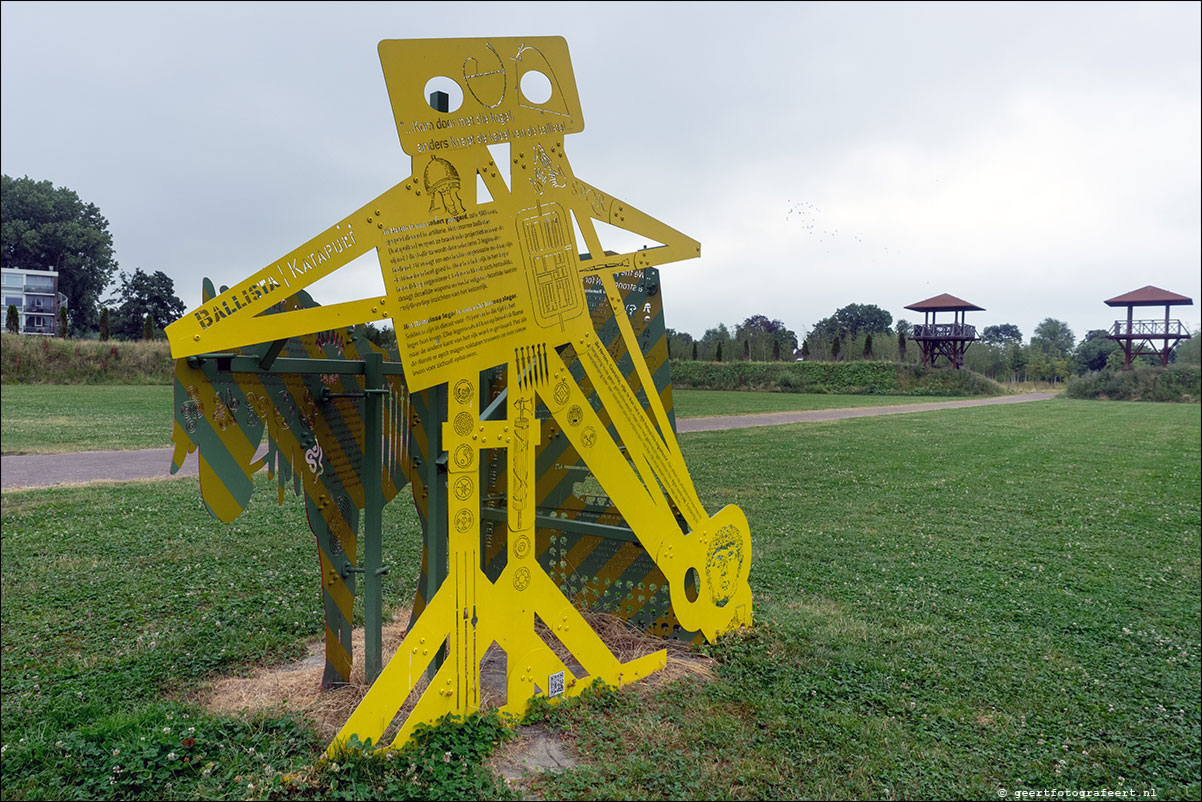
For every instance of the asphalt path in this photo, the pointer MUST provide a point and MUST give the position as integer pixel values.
(49, 470)
(719, 422)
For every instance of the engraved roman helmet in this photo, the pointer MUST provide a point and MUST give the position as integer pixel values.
(442, 185)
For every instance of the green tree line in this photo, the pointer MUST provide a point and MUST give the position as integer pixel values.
(866, 332)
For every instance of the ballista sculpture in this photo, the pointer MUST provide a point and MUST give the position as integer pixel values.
(521, 360)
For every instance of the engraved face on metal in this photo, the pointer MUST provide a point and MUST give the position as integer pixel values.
(723, 563)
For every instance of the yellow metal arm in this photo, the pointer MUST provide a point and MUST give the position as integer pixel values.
(235, 317)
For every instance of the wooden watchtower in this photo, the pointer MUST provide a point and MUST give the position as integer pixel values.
(1139, 337)
(949, 340)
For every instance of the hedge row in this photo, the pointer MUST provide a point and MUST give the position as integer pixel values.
(1141, 383)
(29, 359)
(46, 360)
(851, 378)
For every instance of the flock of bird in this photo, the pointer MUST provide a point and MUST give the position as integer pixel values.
(807, 215)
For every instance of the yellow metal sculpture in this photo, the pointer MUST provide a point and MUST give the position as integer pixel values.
(483, 278)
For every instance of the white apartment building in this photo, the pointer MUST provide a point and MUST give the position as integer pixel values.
(35, 295)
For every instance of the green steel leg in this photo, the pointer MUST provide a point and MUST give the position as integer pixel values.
(435, 479)
(373, 503)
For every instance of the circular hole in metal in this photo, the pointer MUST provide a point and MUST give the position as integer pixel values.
(443, 94)
(536, 87)
(692, 584)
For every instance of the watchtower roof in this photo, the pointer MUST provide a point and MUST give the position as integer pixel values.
(944, 303)
(1150, 296)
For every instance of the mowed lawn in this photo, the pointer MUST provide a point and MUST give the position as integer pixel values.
(949, 604)
(63, 418)
(59, 419)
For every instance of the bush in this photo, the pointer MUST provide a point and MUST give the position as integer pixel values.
(1140, 383)
(852, 378)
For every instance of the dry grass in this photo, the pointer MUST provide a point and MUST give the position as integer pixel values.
(296, 687)
(628, 643)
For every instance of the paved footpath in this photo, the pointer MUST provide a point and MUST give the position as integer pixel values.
(718, 422)
(47, 470)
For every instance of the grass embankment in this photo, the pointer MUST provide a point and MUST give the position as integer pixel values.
(1141, 383)
(49, 360)
(849, 378)
(947, 605)
(59, 419)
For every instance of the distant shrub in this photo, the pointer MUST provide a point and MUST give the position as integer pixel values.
(47, 360)
(1140, 383)
(851, 378)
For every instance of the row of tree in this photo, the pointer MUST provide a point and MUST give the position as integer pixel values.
(756, 339)
(867, 332)
(43, 227)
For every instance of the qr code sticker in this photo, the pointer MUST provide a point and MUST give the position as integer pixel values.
(555, 684)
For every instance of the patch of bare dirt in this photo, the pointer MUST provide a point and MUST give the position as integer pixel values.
(296, 687)
(535, 750)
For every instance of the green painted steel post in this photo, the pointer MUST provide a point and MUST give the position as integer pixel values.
(435, 479)
(373, 505)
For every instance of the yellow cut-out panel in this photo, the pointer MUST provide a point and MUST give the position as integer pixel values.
(473, 283)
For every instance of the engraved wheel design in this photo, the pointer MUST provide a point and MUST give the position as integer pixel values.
(521, 546)
(521, 578)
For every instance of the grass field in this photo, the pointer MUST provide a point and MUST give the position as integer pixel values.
(59, 419)
(948, 604)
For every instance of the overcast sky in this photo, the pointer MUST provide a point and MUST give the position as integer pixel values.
(1032, 159)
